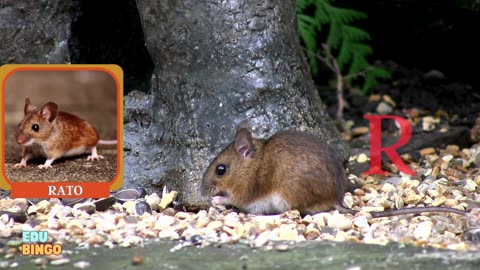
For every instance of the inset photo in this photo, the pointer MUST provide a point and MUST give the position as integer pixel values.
(60, 126)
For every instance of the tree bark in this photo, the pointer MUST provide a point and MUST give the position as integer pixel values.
(216, 63)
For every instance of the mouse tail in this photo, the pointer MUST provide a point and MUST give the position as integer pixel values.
(107, 142)
(343, 210)
(416, 210)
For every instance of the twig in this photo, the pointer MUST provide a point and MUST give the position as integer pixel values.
(331, 62)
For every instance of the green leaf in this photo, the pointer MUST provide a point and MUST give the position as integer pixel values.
(371, 77)
(345, 55)
(355, 33)
(346, 42)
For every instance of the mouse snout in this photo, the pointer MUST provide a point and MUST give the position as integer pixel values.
(22, 138)
(207, 189)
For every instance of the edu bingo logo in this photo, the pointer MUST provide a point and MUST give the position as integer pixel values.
(35, 243)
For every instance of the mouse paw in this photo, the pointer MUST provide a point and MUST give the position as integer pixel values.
(95, 157)
(44, 166)
(19, 165)
(219, 200)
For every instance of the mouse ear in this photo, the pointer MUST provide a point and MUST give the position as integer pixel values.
(49, 111)
(243, 124)
(29, 108)
(243, 142)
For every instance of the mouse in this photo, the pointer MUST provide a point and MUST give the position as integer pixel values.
(290, 170)
(56, 133)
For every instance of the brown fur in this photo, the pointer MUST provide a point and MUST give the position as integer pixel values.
(276, 165)
(59, 132)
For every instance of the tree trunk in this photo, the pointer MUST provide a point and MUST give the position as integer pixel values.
(216, 63)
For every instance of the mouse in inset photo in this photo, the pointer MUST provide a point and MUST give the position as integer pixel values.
(58, 134)
(290, 170)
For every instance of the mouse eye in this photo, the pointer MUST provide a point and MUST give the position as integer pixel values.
(35, 128)
(221, 170)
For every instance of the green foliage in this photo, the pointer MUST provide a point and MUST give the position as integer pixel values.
(345, 43)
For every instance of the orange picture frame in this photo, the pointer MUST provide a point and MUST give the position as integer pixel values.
(66, 189)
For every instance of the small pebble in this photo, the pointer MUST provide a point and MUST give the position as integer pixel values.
(167, 199)
(384, 108)
(137, 260)
(62, 261)
(452, 149)
(447, 158)
(470, 186)
(423, 230)
(81, 264)
(282, 247)
(153, 200)
(439, 201)
(361, 222)
(287, 232)
(359, 192)
(362, 158)
(427, 151)
(339, 221)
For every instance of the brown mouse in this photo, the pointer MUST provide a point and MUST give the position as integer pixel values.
(290, 170)
(58, 134)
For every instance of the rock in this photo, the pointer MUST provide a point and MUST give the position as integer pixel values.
(287, 232)
(447, 158)
(429, 123)
(62, 261)
(320, 219)
(372, 209)
(427, 151)
(423, 230)
(434, 74)
(389, 100)
(361, 222)
(413, 198)
(473, 235)
(394, 180)
(439, 201)
(470, 186)
(452, 149)
(153, 200)
(311, 233)
(348, 201)
(339, 221)
(384, 108)
(362, 158)
(374, 98)
(215, 225)
(359, 192)
(167, 199)
(82, 264)
(164, 222)
(357, 131)
(450, 202)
